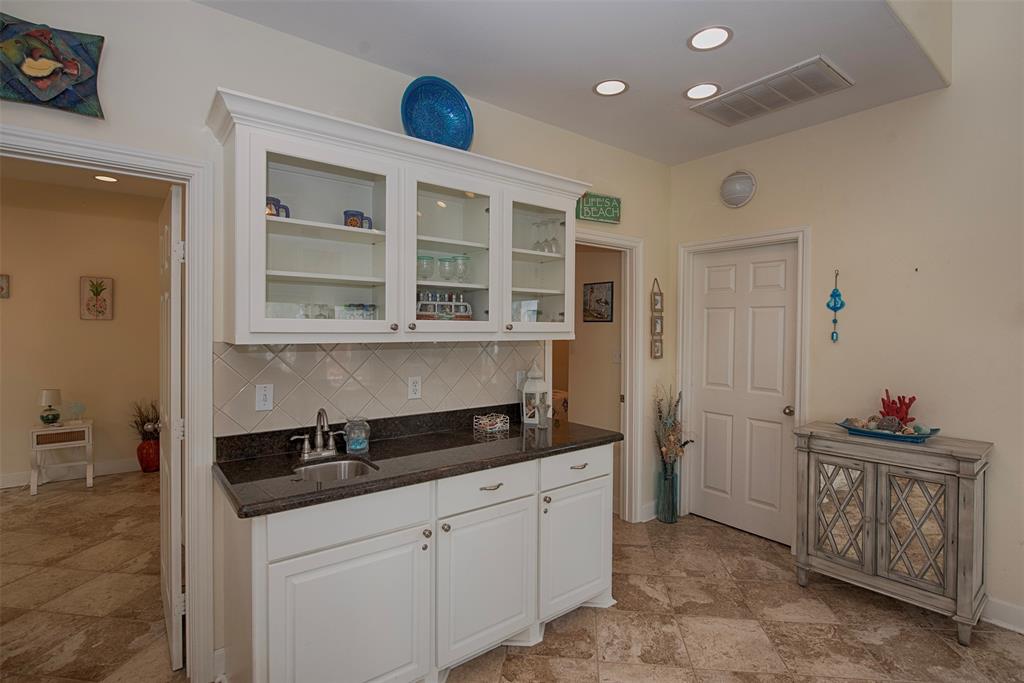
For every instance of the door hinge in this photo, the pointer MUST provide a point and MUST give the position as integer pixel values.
(178, 252)
(179, 429)
(622, 398)
(179, 606)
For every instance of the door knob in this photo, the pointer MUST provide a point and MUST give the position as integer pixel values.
(789, 411)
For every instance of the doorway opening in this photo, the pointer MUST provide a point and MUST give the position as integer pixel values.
(88, 324)
(597, 377)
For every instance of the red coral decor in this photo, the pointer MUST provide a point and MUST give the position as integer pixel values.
(900, 408)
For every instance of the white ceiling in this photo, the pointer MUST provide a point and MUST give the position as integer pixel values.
(82, 178)
(541, 58)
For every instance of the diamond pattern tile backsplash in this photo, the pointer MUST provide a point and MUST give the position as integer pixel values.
(367, 380)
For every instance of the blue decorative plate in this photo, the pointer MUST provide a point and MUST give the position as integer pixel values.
(433, 109)
(889, 436)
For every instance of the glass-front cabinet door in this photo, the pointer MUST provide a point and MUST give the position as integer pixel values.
(540, 258)
(323, 257)
(453, 254)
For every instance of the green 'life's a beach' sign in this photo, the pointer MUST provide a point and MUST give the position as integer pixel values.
(599, 208)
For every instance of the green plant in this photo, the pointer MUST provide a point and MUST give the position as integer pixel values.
(146, 420)
(668, 429)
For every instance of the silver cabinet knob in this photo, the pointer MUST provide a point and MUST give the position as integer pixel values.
(394, 327)
(425, 546)
(547, 499)
(789, 411)
(508, 327)
(427, 533)
(412, 326)
(446, 527)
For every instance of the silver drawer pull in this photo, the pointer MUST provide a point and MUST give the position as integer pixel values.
(579, 467)
(492, 487)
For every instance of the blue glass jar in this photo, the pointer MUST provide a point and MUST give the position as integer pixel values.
(357, 436)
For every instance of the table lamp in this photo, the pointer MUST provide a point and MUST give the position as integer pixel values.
(48, 398)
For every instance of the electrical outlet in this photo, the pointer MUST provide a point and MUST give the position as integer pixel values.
(415, 387)
(520, 379)
(264, 397)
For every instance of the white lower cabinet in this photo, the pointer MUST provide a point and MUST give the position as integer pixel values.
(486, 577)
(575, 545)
(314, 634)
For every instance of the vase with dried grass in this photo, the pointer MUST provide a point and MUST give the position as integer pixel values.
(146, 422)
(668, 431)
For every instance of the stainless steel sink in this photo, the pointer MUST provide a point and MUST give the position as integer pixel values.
(336, 470)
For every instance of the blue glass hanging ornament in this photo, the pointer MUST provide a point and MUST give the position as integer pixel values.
(835, 304)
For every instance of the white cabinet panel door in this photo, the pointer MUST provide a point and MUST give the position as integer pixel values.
(575, 544)
(744, 369)
(312, 635)
(486, 577)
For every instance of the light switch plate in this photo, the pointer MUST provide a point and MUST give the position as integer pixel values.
(264, 397)
(415, 387)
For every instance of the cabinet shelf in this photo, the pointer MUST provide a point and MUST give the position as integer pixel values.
(533, 290)
(323, 278)
(295, 227)
(447, 284)
(536, 256)
(446, 243)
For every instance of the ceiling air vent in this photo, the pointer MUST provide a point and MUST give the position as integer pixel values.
(799, 83)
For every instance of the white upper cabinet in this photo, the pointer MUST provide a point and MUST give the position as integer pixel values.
(337, 232)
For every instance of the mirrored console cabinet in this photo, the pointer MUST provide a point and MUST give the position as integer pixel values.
(336, 231)
(903, 519)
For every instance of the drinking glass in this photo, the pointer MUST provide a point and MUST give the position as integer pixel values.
(425, 267)
(461, 268)
(446, 267)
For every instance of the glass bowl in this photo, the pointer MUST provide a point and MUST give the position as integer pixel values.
(424, 267)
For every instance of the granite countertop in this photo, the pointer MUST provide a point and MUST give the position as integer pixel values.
(266, 484)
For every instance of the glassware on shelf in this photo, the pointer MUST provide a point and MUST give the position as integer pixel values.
(556, 246)
(425, 267)
(461, 267)
(446, 267)
(538, 244)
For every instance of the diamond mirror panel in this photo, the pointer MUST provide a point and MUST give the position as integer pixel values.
(840, 512)
(917, 521)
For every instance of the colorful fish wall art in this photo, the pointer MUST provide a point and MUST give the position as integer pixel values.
(49, 67)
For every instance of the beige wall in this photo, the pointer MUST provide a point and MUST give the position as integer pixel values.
(919, 204)
(49, 236)
(166, 112)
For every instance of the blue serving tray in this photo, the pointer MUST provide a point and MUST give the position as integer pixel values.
(889, 436)
(433, 109)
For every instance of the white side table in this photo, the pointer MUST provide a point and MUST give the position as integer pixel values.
(68, 435)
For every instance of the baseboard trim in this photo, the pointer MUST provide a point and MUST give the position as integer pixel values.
(219, 666)
(1004, 614)
(648, 511)
(58, 472)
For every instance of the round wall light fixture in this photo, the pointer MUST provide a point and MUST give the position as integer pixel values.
(738, 189)
(709, 38)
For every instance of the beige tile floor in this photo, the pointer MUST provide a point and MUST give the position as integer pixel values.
(697, 601)
(80, 583)
(702, 602)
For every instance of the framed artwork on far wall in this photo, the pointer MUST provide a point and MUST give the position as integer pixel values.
(657, 325)
(5, 286)
(96, 297)
(598, 302)
(657, 348)
(657, 298)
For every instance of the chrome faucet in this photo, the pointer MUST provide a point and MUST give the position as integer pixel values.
(319, 448)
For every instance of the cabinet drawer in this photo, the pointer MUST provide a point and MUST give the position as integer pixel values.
(569, 468)
(487, 487)
(321, 526)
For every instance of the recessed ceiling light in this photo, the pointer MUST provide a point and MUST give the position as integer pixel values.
(709, 38)
(702, 91)
(442, 204)
(611, 87)
(105, 178)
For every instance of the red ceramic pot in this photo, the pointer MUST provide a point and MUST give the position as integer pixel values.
(148, 454)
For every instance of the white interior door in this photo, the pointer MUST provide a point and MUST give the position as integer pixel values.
(171, 425)
(743, 319)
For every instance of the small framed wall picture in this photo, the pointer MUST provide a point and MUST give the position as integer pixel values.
(5, 286)
(657, 348)
(598, 302)
(96, 298)
(657, 325)
(657, 298)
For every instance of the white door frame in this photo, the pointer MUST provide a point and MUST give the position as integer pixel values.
(197, 178)
(633, 355)
(799, 236)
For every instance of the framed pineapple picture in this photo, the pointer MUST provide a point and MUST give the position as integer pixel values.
(96, 297)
